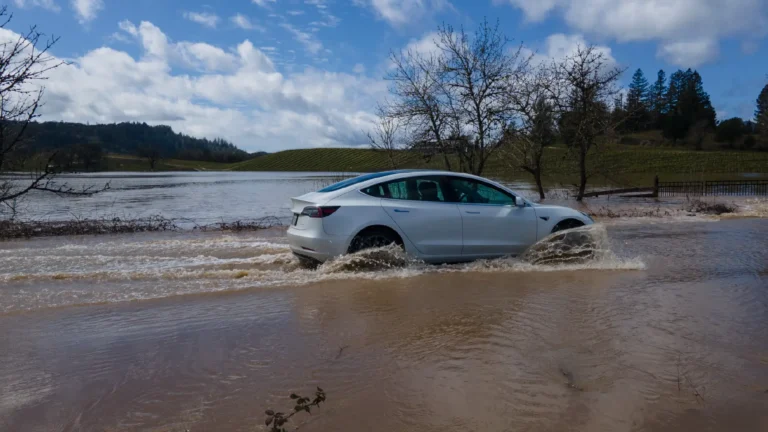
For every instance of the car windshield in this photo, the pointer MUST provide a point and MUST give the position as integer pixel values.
(355, 180)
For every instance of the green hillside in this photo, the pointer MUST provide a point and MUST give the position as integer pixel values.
(614, 160)
(113, 162)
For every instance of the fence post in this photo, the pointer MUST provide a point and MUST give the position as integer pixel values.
(656, 186)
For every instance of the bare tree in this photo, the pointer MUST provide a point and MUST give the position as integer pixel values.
(24, 64)
(525, 144)
(456, 97)
(386, 137)
(150, 153)
(420, 104)
(584, 85)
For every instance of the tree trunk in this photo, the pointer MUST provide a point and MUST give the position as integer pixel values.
(582, 175)
(539, 185)
(447, 161)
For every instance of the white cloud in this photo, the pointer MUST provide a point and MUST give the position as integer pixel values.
(310, 42)
(675, 23)
(359, 68)
(45, 4)
(245, 23)
(237, 94)
(128, 27)
(295, 12)
(263, 3)
(86, 10)
(689, 53)
(400, 12)
(203, 18)
(559, 46)
(424, 46)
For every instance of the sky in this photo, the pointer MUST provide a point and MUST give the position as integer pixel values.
(270, 75)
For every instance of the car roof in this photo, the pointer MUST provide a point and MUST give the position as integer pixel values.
(370, 179)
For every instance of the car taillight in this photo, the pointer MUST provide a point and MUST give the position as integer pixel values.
(318, 212)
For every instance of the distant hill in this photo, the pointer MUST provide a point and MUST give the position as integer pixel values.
(135, 139)
(614, 160)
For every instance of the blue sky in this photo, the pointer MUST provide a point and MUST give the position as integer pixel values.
(277, 74)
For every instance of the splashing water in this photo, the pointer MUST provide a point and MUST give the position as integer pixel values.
(575, 246)
(375, 259)
(63, 272)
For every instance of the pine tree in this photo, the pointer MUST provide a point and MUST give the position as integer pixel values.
(672, 95)
(693, 102)
(657, 92)
(704, 109)
(761, 113)
(637, 100)
(690, 108)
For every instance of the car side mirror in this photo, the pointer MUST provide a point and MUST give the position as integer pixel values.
(519, 202)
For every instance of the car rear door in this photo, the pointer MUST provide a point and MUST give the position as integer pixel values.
(430, 221)
(492, 224)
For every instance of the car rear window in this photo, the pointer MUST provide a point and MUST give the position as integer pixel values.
(412, 189)
(359, 179)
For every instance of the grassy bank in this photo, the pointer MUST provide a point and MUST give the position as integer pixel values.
(614, 160)
(116, 162)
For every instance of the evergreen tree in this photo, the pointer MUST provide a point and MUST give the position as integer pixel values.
(672, 96)
(656, 99)
(687, 105)
(637, 100)
(761, 113)
(694, 103)
(619, 113)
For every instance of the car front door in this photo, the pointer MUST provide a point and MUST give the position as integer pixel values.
(492, 224)
(423, 213)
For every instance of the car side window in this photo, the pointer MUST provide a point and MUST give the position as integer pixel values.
(413, 189)
(470, 191)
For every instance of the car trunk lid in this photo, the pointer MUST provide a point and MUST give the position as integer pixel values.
(298, 204)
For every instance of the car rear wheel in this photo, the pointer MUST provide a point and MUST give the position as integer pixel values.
(566, 225)
(374, 238)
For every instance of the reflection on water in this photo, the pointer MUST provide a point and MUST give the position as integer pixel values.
(201, 197)
(671, 336)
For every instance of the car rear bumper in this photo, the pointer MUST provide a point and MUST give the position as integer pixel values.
(320, 247)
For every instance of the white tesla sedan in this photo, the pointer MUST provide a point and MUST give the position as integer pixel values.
(436, 216)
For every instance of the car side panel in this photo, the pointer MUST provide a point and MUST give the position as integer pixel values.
(434, 228)
(497, 230)
(357, 212)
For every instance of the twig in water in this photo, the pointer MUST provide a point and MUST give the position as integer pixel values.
(341, 350)
(277, 419)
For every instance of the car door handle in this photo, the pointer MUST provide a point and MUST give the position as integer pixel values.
(402, 211)
(473, 212)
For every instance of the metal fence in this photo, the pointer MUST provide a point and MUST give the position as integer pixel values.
(718, 187)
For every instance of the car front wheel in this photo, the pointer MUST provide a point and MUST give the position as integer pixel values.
(566, 225)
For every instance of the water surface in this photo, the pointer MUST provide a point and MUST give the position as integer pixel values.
(666, 329)
(669, 334)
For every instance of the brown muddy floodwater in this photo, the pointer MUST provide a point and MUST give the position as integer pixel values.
(667, 331)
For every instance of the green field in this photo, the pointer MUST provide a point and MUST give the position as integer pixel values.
(616, 160)
(116, 162)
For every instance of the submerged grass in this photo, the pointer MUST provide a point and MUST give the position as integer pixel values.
(690, 206)
(14, 229)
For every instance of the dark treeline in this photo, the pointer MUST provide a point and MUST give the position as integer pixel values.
(83, 147)
(682, 110)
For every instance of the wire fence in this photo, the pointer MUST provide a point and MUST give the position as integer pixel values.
(714, 187)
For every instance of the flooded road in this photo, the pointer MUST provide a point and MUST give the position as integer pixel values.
(204, 331)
